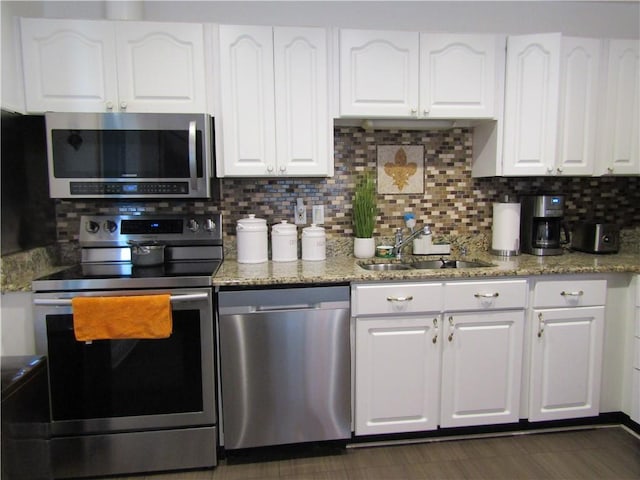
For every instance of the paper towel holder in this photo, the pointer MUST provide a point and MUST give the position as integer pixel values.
(506, 236)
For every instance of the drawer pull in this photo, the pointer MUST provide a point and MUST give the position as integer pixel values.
(486, 295)
(400, 299)
(579, 293)
(435, 328)
(451, 329)
(540, 325)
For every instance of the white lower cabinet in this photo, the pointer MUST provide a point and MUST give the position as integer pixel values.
(635, 371)
(481, 363)
(397, 374)
(567, 334)
(482, 341)
(416, 368)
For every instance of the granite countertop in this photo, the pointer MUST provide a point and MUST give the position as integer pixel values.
(18, 271)
(345, 269)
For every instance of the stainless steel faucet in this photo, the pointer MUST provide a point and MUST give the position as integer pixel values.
(401, 242)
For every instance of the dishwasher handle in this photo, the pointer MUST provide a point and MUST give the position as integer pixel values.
(275, 308)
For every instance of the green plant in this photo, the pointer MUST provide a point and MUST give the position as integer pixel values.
(364, 207)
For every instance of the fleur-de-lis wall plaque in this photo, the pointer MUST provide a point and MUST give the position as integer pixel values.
(400, 168)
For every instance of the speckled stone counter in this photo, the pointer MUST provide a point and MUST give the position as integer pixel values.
(19, 269)
(346, 269)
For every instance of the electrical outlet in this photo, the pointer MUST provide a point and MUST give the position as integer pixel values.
(300, 212)
(317, 214)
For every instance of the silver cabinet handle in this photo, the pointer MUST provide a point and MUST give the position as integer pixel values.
(435, 327)
(486, 295)
(579, 293)
(451, 329)
(540, 325)
(193, 172)
(109, 105)
(123, 106)
(400, 299)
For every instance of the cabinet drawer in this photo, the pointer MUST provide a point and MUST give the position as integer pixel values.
(485, 295)
(384, 298)
(569, 293)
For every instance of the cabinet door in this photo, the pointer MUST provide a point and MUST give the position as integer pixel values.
(481, 368)
(620, 151)
(579, 91)
(247, 100)
(566, 363)
(458, 75)
(397, 374)
(531, 104)
(303, 127)
(69, 65)
(160, 67)
(379, 73)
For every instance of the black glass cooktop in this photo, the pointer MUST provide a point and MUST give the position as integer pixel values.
(125, 275)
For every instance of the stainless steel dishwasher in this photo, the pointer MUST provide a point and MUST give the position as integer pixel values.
(284, 365)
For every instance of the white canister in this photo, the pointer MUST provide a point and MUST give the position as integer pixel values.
(251, 238)
(284, 242)
(314, 242)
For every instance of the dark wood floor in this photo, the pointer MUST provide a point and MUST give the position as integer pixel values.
(598, 453)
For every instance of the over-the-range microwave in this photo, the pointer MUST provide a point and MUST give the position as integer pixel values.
(130, 155)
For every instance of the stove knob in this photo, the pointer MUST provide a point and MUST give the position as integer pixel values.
(209, 225)
(92, 227)
(110, 226)
(193, 225)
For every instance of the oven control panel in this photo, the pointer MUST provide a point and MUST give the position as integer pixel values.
(119, 230)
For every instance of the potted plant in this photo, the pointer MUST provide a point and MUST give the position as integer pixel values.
(364, 216)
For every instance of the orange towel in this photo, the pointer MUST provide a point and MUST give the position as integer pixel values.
(138, 316)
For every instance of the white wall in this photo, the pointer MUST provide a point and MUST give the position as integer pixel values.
(589, 18)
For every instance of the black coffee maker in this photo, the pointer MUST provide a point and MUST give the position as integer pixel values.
(541, 225)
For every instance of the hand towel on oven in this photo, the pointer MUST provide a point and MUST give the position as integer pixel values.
(136, 316)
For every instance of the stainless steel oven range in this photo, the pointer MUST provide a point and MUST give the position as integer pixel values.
(133, 405)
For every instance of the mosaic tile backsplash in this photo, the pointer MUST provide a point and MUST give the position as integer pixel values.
(453, 203)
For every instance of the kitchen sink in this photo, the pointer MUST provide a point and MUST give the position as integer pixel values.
(424, 265)
(431, 264)
(385, 266)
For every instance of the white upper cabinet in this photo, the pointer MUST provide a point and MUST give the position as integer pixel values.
(161, 67)
(551, 92)
(96, 66)
(578, 115)
(247, 115)
(619, 152)
(379, 73)
(69, 65)
(458, 75)
(412, 75)
(274, 102)
(531, 99)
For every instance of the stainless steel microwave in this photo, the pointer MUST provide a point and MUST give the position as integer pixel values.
(130, 155)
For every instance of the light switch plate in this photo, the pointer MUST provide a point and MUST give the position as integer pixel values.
(317, 214)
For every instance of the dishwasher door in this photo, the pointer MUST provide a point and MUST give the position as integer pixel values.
(285, 366)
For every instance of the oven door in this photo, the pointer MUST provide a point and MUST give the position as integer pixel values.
(124, 385)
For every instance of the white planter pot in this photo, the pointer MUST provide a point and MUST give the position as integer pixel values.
(364, 247)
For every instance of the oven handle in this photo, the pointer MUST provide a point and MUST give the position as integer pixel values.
(63, 302)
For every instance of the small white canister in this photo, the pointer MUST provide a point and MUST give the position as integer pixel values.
(314, 242)
(251, 237)
(284, 242)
